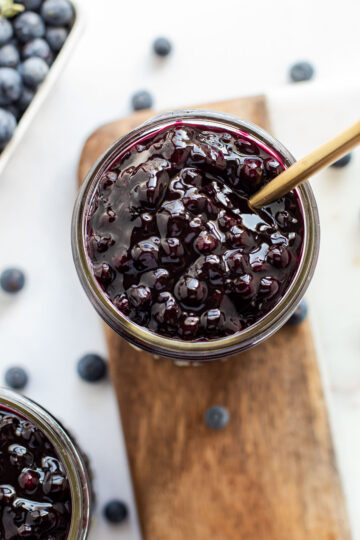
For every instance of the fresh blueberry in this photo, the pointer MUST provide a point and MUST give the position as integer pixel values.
(301, 71)
(299, 314)
(39, 48)
(6, 30)
(7, 126)
(115, 511)
(30, 4)
(216, 417)
(141, 100)
(10, 85)
(342, 162)
(14, 110)
(29, 25)
(57, 12)
(9, 56)
(56, 37)
(16, 377)
(91, 368)
(33, 71)
(27, 95)
(162, 46)
(12, 280)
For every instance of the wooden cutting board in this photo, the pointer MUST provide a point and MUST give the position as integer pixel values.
(270, 474)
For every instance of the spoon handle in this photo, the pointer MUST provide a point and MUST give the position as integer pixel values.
(307, 166)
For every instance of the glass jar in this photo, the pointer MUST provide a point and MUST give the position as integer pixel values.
(176, 348)
(74, 461)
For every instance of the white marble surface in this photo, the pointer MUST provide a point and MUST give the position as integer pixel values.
(219, 53)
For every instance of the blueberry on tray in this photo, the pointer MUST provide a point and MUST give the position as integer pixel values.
(32, 32)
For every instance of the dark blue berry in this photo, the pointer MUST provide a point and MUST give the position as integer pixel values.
(301, 71)
(30, 4)
(142, 100)
(10, 85)
(9, 56)
(33, 71)
(12, 280)
(342, 162)
(39, 48)
(56, 37)
(27, 95)
(57, 12)
(7, 126)
(6, 31)
(29, 25)
(16, 377)
(216, 417)
(162, 46)
(91, 368)
(115, 511)
(299, 314)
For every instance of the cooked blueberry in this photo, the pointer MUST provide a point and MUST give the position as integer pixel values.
(156, 279)
(33, 71)
(236, 262)
(56, 37)
(166, 310)
(217, 417)
(162, 46)
(12, 280)
(299, 314)
(29, 25)
(10, 85)
(115, 511)
(57, 12)
(191, 291)
(30, 4)
(301, 71)
(25, 99)
(206, 243)
(279, 256)
(16, 377)
(245, 286)
(139, 295)
(6, 30)
(142, 100)
(342, 162)
(189, 327)
(269, 287)
(28, 480)
(145, 254)
(104, 273)
(272, 167)
(9, 56)
(91, 367)
(121, 302)
(7, 126)
(212, 320)
(38, 47)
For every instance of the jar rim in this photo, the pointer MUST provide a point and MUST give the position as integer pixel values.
(177, 348)
(68, 452)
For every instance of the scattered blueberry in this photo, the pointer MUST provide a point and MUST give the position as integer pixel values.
(16, 378)
(299, 314)
(162, 46)
(9, 56)
(38, 47)
(33, 71)
(301, 71)
(142, 100)
(7, 126)
(6, 30)
(57, 12)
(56, 37)
(29, 25)
(216, 417)
(12, 280)
(27, 95)
(342, 162)
(91, 367)
(115, 511)
(30, 4)
(10, 85)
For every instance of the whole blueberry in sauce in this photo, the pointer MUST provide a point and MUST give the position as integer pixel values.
(35, 498)
(173, 243)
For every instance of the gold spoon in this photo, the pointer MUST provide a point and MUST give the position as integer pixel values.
(307, 166)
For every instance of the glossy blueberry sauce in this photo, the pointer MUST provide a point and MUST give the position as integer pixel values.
(35, 498)
(173, 243)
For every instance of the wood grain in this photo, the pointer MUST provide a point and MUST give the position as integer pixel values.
(271, 473)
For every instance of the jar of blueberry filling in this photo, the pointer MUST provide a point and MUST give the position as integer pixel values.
(45, 485)
(169, 251)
